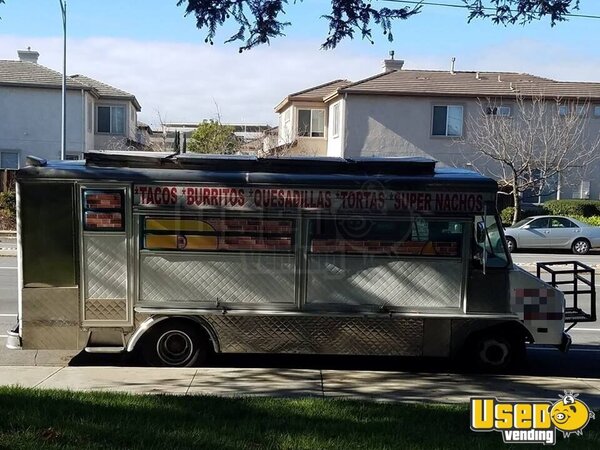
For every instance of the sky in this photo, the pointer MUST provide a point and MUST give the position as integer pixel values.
(150, 49)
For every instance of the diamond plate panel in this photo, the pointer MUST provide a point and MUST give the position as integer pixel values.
(319, 334)
(106, 309)
(106, 271)
(252, 279)
(51, 304)
(377, 282)
(50, 335)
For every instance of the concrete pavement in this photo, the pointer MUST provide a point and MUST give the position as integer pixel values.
(377, 385)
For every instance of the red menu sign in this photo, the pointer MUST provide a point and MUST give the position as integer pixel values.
(331, 200)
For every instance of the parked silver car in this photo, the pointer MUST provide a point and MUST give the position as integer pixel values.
(553, 232)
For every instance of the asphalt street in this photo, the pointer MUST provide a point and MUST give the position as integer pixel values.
(582, 361)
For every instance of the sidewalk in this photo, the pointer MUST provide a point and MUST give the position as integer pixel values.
(380, 385)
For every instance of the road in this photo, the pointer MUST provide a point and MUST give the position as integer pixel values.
(582, 361)
(8, 293)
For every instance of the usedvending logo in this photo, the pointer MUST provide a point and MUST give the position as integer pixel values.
(530, 422)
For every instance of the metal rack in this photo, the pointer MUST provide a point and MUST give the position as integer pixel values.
(571, 277)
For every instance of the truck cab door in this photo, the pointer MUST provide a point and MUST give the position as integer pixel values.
(488, 269)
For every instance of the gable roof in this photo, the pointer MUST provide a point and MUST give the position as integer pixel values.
(105, 90)
(468, 84)
(312, 94)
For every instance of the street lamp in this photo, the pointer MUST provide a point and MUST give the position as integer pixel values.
(63, 135)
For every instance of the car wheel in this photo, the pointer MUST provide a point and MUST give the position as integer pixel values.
(581, 246)
(496, 352)
(174, 344)
(511, 244)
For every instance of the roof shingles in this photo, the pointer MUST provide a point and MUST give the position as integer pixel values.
(470, 84)
(444, 83)
(23, 73)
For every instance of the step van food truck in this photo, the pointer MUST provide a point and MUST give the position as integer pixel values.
(174, 256)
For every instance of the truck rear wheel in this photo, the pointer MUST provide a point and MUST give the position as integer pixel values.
(174, 344)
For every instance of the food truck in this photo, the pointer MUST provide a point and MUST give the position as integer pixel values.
(174, 256)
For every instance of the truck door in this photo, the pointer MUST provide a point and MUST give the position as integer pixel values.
(105, 229)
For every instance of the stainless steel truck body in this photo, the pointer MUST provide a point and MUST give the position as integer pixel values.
(177, 255)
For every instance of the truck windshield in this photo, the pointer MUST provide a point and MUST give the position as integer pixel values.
(489, 237)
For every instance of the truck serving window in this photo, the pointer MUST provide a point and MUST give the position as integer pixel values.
(231, 234)
(419, 237)
(103, 210)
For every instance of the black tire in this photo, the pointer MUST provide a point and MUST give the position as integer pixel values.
(496, 352)
(581, 246)
(175, 343)
(511, 244)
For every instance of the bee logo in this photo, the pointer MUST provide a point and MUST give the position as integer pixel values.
(570, 415)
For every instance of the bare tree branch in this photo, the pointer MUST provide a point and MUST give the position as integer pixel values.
(543, 139)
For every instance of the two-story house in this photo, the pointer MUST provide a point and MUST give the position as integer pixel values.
(402, 112)
(99, 116)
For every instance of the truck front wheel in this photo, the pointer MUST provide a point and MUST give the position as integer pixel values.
(174, 344)
(496, 352)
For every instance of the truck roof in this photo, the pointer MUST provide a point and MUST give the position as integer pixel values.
(136, 166)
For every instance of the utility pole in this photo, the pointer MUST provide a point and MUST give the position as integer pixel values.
(63, 135)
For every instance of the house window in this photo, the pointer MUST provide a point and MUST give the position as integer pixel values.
(597, 111)
(111, 119)
(311, 122)
(500, 111)
(447, 120)
(336, 120)
(9, 160)
(563, 110)
(576, 110)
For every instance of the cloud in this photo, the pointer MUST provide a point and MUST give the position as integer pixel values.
(185, 81)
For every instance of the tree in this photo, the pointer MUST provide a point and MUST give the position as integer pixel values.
(213, 137)
(258, 20)
(541, 141)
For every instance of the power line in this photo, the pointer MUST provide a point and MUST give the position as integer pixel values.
(487, 8)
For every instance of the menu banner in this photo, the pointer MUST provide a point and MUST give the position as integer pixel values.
(327, 200)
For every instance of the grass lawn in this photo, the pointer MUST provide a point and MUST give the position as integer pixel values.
(73, 420)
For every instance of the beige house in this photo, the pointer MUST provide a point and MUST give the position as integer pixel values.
(420, 113)
(99, 116)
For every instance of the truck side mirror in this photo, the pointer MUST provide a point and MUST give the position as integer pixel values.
(480, 232)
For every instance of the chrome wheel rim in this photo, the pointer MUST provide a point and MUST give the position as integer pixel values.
(175, 348)
(510, 244)
(581, 247)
